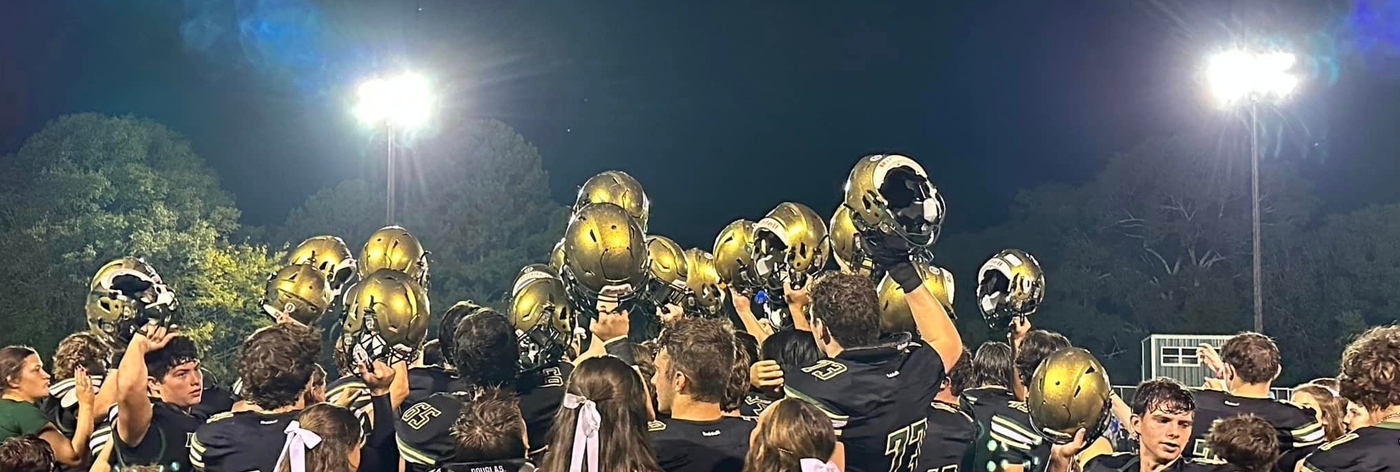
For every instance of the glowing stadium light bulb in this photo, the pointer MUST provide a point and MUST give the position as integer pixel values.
(403, 101)
(1236, 75)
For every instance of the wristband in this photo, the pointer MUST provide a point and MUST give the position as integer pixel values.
(906, 276)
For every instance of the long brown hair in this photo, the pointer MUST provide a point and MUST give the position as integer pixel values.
(1333, 406)
(788, 431)
(12, 364)
(623, 442)
(340, 433)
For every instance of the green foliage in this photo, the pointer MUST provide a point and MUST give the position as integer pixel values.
(90, 188)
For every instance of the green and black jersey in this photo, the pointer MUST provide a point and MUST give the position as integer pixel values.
(948, 441)
(239, 442)
(1299, 433)
(1004, 435)
(701, 446)
(1370, 449)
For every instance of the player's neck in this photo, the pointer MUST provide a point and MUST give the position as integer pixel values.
(684, 408)
(1384, 415)
(299, 405)
(1150, 463)
(1244, 390)
(946, 396)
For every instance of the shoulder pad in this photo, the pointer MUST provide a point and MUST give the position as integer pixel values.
(1345, 438)
(655, 426)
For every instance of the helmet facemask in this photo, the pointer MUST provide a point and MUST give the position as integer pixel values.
(542, 344)
(130, 300)
(914, 209)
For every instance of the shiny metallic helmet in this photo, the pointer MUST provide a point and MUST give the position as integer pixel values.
(542, 315)
(891, 194)
(706, 297)
(124, 295)
(386, 317)
(328, 254)
(618, 188)
(394, 248)
(732, 259)
(556, 256)
(298, 292)
(789, 244)
(607, 255)
(895, 315)
(1010, 284)
(667, 272)
(1069, 391)
(847, 245)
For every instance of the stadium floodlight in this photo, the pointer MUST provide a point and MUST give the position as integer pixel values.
(398, 103)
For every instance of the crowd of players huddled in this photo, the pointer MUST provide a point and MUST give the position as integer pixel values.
(627, 353)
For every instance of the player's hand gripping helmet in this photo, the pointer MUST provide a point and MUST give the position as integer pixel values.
(556, 256)
(542, 315)
(329, 255)
(703, 280)
(788, 245)
(617, 188)
(667, 272)
(846, 244)
(1069, 391)
(732, 259)
(606, 254)
(124, 296)
(1010, 284)
(394, 248)
(895, 315)
(299, 292)
(891, 194)
(386, 317)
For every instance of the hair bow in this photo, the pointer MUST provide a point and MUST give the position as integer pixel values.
(585, 433)
(818, 465)
(298, 441)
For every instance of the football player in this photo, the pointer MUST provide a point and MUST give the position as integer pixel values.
(158, 382)
(693, 365)
(1367, 378)
(951, 430)
(1246, 443)
(543, 320)
(489, 434)
(1162, 416)
(1005, 439)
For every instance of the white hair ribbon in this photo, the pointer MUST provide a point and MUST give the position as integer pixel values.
(298, 441)
(585, 434)
(817, 465)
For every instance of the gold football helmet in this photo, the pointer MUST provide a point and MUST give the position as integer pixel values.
(667, 272)
(703, 280)
(1010, 284)
(618, 188)
(890, 193)
(1069, 391)
(123, 296)
(556, 256)
(846, 245)
(543, 317)
(732, 259)
(895, 315)
(606, 253)
(329, 255)
(394, 248)
(788, 244)
(299, 292)
(386, 317)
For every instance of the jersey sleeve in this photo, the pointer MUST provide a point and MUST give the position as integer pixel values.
(424, 431)
(924, 368)
(1016, 441)
(821, 384)
(208, 444)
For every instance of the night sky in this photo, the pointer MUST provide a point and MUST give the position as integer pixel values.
(721, 109)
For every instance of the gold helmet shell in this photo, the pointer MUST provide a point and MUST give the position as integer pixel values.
(790, 243)
(386, 315)
(299, 292)
(542, 315)
(618, 188)
(394, 248)
(703, 281)
(732, 259)
(1069, 391)
(846, 245)
(556, 256)
(895, 315)
(124, 295)
(1010, 284)
(328, 254)
(667, 271)
(890, 193)
(606, 249)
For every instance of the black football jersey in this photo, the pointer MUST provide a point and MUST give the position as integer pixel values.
(517, 465)
(240, 442)
(1004, 434)
(424, 431)
(1298, 430)
(701, 446)
(166, 443)
(877, 398)
(423, 382)
(753, 405)
(541, 392)
(1370, 449)
(213, 401)
(948, 439)
(1130, 462)
(352, 392)
(61, 406)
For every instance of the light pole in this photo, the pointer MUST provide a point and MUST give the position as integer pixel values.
(398, 104)
(1236, 76)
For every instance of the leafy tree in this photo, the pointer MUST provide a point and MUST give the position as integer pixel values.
(351, 210)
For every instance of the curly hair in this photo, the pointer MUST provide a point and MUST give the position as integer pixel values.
(26, 453)
(738, 384)
(490, 427)
(1254, 357)
(339, 431)
(179, 351)
(1371, 369)
(788, 431)
(848, 306)
(1037, 345)
(484, 349)
(84, 350)
(703, 350)
(1331, 408)
(277, 364)
(1245, 441)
